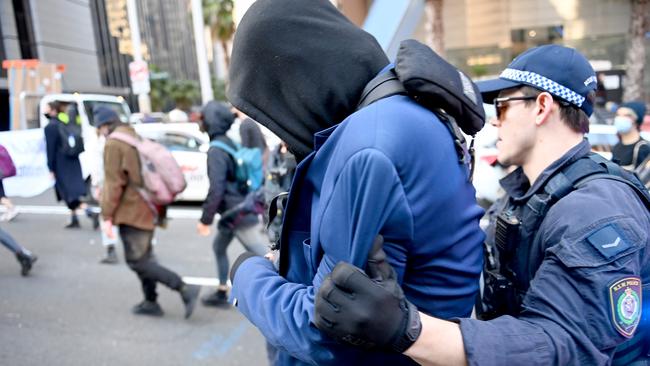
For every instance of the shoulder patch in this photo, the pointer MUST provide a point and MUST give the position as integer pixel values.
(625, 302)
(608, 241)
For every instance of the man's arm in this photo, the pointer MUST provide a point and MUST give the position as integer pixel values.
(283, 311)
(217, 176)
(51, 141)
(115, 180)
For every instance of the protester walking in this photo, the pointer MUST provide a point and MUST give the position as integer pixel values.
(123, 205)
(64, 144)
(226, 196)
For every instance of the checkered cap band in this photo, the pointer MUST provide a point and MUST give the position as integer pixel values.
(543, 83)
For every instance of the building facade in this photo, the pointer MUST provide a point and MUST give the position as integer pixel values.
(86, 35)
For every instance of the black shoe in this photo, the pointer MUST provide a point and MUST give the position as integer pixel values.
(189, 294)
(217, 299)
(26, 261)
(74, 223)
(111, 256)
(146, 307)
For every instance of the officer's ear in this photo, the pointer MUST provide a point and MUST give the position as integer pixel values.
(544, 106)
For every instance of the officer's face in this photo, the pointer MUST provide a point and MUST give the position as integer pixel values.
(516, 123)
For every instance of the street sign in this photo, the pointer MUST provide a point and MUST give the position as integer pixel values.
(139, 73)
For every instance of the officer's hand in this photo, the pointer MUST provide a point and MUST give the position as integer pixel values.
(368, 311)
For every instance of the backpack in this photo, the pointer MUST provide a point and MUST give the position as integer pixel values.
(7, 167)
(69, 128)
(248, 165)
(162, 177)
(643, 172)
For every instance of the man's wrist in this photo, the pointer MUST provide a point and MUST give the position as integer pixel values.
(412, 330)
(440, 343)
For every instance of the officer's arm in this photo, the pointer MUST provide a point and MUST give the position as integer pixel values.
(371, 311)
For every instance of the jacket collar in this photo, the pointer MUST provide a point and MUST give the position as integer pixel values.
(518, 187)
(321, 137)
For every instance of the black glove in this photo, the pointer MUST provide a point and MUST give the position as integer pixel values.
(368, 311)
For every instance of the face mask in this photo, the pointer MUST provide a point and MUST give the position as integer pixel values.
(622, 124)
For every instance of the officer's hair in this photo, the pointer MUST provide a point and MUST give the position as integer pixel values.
(574, 117)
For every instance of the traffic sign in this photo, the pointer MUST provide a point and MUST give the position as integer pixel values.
(139, 73)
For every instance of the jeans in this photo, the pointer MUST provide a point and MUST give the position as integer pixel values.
(250, 236)
(9, 242)
(140, 258)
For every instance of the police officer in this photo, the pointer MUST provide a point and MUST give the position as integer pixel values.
(567, 268)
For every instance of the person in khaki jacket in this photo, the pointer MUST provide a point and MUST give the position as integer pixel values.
(122, 205)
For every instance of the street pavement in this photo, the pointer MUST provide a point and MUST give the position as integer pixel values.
(72, 310)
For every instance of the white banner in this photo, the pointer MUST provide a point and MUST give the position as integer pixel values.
(27, 150)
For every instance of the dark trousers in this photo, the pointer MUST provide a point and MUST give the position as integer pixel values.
(140, 258)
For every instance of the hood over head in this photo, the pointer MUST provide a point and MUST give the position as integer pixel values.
(299, 67)
(217, 118)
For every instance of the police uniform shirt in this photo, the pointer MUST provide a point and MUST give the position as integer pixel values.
(585, 299)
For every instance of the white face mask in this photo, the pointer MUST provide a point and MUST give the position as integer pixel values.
(622, 124)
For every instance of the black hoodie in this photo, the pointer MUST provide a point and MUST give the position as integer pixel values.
(299, 67)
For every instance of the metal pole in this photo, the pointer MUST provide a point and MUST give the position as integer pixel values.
(144, 102)
(201, 57)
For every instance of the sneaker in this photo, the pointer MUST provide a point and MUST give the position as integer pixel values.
(218, 298)
(111, 256)
(189, 294)
(26, 261)
(9, 215)
(146, 307)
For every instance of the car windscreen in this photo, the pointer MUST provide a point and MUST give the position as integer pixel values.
(89, 105)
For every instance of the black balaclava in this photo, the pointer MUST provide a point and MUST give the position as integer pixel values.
(216, 119)
(299, 67)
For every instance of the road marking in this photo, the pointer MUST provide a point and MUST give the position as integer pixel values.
(203, 281)
(219, 345)
(612, 245)
(172, 213)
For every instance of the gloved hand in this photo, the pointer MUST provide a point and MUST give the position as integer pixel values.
(368, 311)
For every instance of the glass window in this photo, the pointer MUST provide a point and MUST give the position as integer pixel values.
(117, 107)
(179, 142)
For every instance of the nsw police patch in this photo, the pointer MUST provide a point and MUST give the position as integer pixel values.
(625, 300)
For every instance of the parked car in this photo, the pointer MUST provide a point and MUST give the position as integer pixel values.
(188, 145)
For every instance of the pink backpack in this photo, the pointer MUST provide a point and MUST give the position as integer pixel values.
(162, 177)
(7, 167)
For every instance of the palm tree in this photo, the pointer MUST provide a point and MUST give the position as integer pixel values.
(636, 54)
(435, 31)
(217, 15)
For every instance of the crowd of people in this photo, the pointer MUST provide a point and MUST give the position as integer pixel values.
(377, 249)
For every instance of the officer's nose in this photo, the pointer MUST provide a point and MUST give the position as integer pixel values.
(494, 121)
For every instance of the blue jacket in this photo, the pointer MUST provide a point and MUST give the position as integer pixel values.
(575, 313)
(388, 169)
